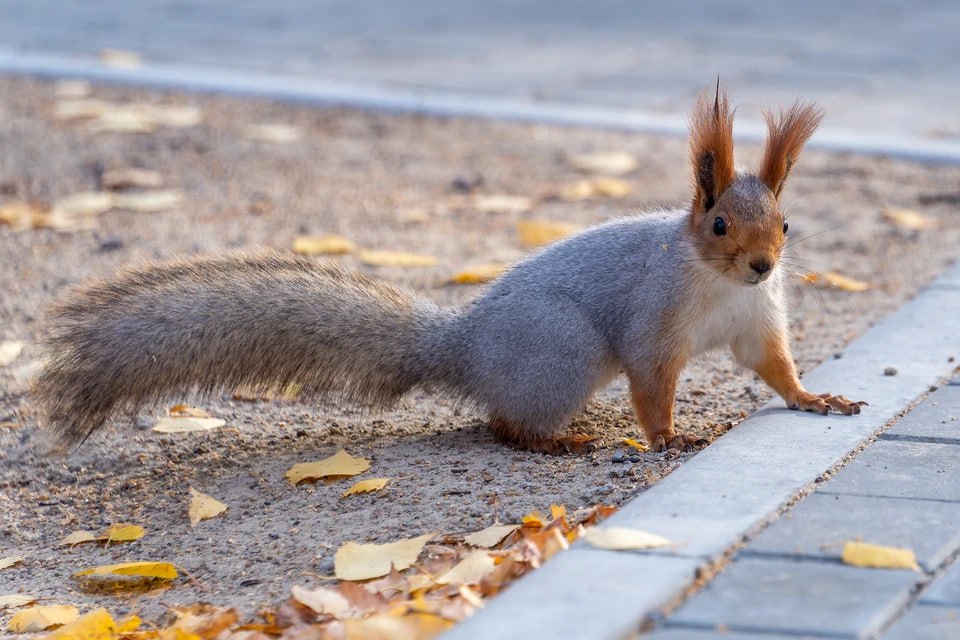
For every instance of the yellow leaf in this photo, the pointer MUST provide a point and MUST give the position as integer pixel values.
(122, 533)
(366, 486)
(491, 536)
(159, 570)
(479, 274)
(148, 201)
(609, 162)
(10, 561)
(875, 556)
(15, 600)
(413, 626)
(71, 89)
(639, 446)
(623, 539)
(322, 245)
(274, 132)
(355, 561)
(174, 424)
(339, 465)
(396, 259)
(37, 619)
(831, 280)
(907, 219)
(203, 507)
(471, 570)
(129, 624)
(9, 351)
(95, 625)
(186, 411)
(534, 233)
(322, 600)
(120, 59)
(131, 177)
(502, 203)
(534, 517)
(557, 511)
(78, 537)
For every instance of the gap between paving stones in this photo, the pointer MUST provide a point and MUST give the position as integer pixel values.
(734, 488)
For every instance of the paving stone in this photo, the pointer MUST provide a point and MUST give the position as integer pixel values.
(699, 634)
(782, 596)
(945, 590)
(936, 417)
(901, 469)
(820, 524)
(926, 623)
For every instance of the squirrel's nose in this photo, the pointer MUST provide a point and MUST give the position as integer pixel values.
(761, 266)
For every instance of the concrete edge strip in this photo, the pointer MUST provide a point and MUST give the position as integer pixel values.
(734, 487)
(449, 103)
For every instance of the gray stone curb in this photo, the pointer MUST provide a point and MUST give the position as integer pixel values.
(733, 488)
(311, 90)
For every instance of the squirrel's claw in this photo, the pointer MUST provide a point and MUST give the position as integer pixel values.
(678, 441)
(824, 402)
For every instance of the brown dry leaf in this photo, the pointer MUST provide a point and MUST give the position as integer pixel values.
(596, 187)
(199, 621)
(131, 177)
(158, 570)
(9, 351)
(120, 59)
(355, 561)
(395, 259)
(875, 556)
(491, 536)
(907, 219)
(471, 570)
(339, 465)
(322, 600)
(95, 625)
(479, 274)
(366, 486)
(832, 280)
(323, 245)
(413, 626)
(84, 203)
(78, 537)
(78, 109)
(10, 561)
(19, 215)
(502, 203)
(187, 411)
(608, 162)
(173, 424)
(623, 539)
(275, 132)
(639, 446)
(534, 233)
(36, 619)
(203, 507)
(148, 201)
(14, 600)
(122, 533)
(72, 89)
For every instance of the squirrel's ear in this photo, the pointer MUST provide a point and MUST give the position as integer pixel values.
(711, 149)
(788, 132)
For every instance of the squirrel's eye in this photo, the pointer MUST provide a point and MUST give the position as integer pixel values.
(785, 227)
(720, 227)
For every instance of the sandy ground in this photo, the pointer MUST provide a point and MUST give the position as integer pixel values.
(387, 182)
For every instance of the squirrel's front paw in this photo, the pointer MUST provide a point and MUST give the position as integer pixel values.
(824, 402)
(677, 441)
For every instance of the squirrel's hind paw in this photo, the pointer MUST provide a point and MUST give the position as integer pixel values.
(577, 443)
(679, 441)
(824, 402)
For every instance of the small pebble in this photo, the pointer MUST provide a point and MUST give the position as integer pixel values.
(635, 458)
(619, 456)
(890, 371)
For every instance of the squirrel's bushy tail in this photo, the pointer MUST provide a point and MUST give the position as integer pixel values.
(264, 322)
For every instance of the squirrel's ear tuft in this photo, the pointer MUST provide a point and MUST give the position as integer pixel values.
(711, 149)
(788, 132)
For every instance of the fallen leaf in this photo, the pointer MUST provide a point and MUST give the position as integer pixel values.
(274, 132)
(354, 561)
(36, 619)
(148, 201)
(491, 536)
(875, 556)
(471, 570)
(339, 465)
(623, 539)
(84, 203)
(596, 187)
(395, 259)
(534, 518)
(366, 486)
(78, 537)
(608, 162)
(322, 600)
(502, 203)
(71, 89)
(19, 215)
(831, 280)
(479, 274)
(9, 351)
(322, 245)
(122, 119)
(172, 116)
(120, 59)
(534, 233)
(186, 425)
(79, 109)
(127, 178)
(14, 600)
(639, 446)
(907, 219)
(557, 511)
(186, 411)
(129, 624)
(413, 626)
(122, 533)
(95, 625)
(471, 596)
(203, 507)
(10, 561)
(158, 570)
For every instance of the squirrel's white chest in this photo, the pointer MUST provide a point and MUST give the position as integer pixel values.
(732, 313)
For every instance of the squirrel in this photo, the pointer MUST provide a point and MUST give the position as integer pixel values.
(641, 294)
